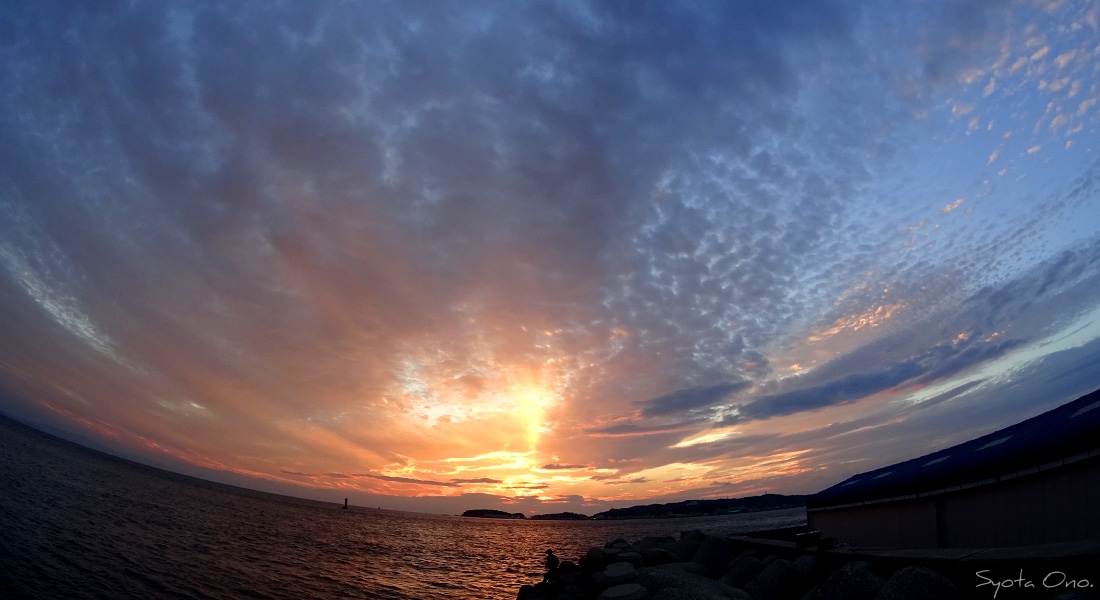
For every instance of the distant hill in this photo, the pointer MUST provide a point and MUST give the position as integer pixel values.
(562, 516)
(698, 508)
(486, 513)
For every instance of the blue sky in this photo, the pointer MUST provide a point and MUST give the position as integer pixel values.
(555, 255)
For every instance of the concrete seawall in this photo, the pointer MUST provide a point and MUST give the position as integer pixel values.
(697, 566)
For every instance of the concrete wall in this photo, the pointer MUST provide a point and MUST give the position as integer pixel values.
(909, 524)
(1060, 505)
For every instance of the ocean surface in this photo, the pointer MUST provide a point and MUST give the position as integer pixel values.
(78, 524)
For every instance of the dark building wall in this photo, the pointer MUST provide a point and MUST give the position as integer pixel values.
(909, 524)
(1059, 505)
(1062, 505)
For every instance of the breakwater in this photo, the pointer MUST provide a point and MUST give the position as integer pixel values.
(697, 566)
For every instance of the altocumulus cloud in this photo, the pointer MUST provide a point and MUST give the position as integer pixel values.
(354, 234)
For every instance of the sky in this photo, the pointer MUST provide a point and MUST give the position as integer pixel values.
(555, 255)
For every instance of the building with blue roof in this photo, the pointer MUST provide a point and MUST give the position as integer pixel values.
(1036, 482)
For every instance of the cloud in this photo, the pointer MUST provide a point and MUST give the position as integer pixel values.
(951, 393)
(691, 399)
(630, 429)
(412, 480)
(557, 466)
(963, 32)
(452, 483)
(398, 234)
(842, 381)
(846, 389)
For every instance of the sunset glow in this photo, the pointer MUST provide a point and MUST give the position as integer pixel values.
(547, 256)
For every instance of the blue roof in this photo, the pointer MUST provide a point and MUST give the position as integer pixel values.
(1068, 431)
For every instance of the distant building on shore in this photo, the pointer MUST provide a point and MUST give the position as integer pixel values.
(1035, 482)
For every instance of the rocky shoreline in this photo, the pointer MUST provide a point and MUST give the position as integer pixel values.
(698, 566)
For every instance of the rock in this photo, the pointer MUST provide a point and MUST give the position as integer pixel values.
(769, 559)
(670, 583)
(677, 594)
(617, 543)
(650, 541)
(686, 549)
(917, 582)
(713, 555)
(529, 592)
(778, 580)
(859, 565)
(742, 571)
(596, 584)
(611, 554)
(631, 557)
(625, 591)
(806, 564)
(686, 567)
(853, 581)
(693, 534)
(620, 572)
(571, 592)
(594, 554)
(746, 553)
(657, 556)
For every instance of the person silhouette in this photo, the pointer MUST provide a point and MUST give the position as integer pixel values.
(551, 566)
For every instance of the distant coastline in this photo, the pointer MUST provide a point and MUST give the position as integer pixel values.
(672, 510)
(486, 513)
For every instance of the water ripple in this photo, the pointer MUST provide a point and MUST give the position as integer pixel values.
(75, 524)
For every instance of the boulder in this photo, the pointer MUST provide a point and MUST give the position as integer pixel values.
(620, 572)
(910, 583)
(686, 567)
(596, 584)
(670, 582)
(742, 571)
(678, 594)
(686, 549)
(657, 556)
(529, 592)
(617, 543)
(778, 580)
(853, 581)
(625, 591)
(651, 541)
(571, 592)
(859, 565)
(713, 555)
(631, 557)
(693, 534)
(807, 565)
(744, 554)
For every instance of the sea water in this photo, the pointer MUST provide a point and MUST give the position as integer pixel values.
(79, 524)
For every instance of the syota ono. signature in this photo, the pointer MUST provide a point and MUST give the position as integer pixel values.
(1053, 579)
